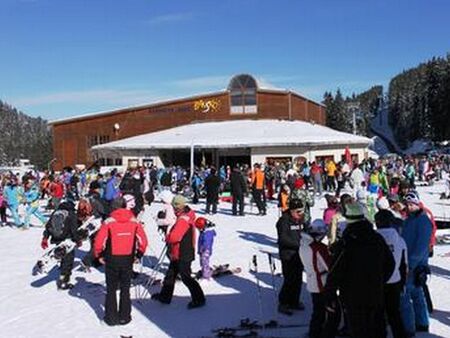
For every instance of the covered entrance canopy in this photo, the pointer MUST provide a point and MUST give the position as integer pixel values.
(254, 138)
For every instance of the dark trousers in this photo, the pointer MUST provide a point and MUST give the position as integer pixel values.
(392, 305)
(292, 269)
(184, 270)
(258, 196)
(238, 198)
(196, 195)
(331, 183)
(366, 322)
(118, 277)
(213, 203)
(67, 264)
(323, 323)
(3, 213)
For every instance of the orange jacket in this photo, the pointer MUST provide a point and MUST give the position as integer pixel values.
(258, 179)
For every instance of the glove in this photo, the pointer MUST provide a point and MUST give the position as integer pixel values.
(44, 243)
(139, 255)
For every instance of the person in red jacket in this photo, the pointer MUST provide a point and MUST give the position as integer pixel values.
(115, 245)
(181, 244)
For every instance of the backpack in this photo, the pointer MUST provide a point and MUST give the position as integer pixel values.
(55, 225)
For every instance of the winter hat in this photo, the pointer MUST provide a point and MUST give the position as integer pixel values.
(317, 228)
(178, 202)
(166, 196)
(354, 212)
(299, 183)
(200, 223)
(383, 203)
(412, 197)
(384, 219)
(296, 204)
(130, 201)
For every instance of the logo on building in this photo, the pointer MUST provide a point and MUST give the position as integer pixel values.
(207, 106)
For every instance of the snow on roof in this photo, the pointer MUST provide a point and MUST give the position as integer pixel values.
(237, 134)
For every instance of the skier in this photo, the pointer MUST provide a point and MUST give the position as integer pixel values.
(63, 225)
(238, 190)
(31, 196)
(181, 239)
(417, 230)
(316, 259)
(258, 185)
(12, 197)
(386, 227)
(165, 217)
(114, 246)
(301, 193)
(100, 210)
(205, 245)
(362, 263)
(3, 220)
(289, 227)
(212, 185)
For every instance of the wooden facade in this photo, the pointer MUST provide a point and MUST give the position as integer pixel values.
(73, 137)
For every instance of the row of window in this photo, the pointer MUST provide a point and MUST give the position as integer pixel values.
(109, 162)
(93, 140)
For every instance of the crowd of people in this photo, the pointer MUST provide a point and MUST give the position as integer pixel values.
(365, 259)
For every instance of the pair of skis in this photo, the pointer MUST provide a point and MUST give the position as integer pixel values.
(253, 327)
(53, 255)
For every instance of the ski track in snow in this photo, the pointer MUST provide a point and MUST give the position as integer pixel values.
(30, 306)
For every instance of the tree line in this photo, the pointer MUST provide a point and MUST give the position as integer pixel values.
(23, 137)
(418, 102)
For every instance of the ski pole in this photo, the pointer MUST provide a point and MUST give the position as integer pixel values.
(153, 275)
(255, 264)
(274, 287)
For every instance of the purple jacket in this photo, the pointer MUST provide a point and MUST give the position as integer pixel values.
(206, 240)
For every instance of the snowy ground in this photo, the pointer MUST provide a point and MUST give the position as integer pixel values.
(30, 306)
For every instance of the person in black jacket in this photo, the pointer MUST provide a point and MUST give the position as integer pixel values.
(289, 227)
(100, 209)
(362, 264)
(238, 190)
(131, 184)
(212, 185)
(69, 231)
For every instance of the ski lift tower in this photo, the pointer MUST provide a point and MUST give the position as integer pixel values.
(353, 107)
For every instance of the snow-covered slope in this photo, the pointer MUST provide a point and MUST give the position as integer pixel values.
(380, 126)
(30, 306)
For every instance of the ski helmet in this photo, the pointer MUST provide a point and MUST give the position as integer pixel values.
(200, 223)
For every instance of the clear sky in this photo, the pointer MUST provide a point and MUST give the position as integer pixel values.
(60, 58)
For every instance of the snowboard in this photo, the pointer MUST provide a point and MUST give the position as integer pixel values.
(52, 256)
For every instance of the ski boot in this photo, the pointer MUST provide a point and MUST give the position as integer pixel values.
(63, 283)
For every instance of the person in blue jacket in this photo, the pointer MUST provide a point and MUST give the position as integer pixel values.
(205, 244)
(112, 188)
(416, 232)
(32, 195)
(11, 195)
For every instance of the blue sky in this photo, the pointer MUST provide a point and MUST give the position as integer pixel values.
(60, 58)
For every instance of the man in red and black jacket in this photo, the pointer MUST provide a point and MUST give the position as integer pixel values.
(181, 244)
(119, 237)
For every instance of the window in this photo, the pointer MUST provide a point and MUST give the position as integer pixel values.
(118, 161)
(243, 90)
(93, 140)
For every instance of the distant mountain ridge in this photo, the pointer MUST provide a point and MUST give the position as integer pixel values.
(22, 136)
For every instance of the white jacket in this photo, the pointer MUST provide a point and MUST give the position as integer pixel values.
(357, 177)
(314, 256)
(398, 248)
